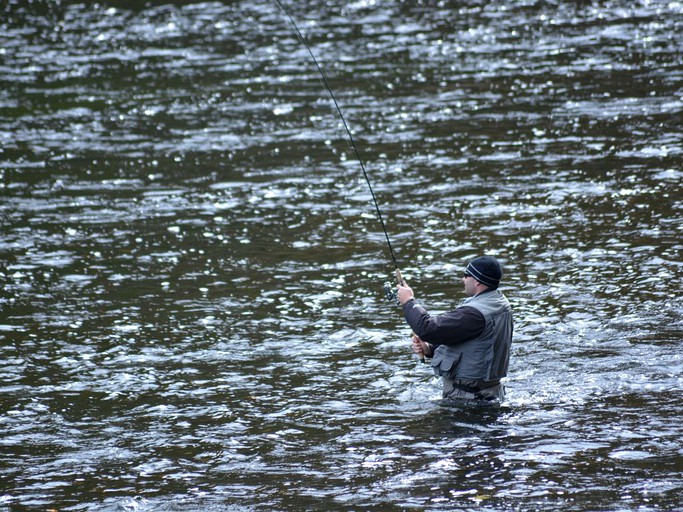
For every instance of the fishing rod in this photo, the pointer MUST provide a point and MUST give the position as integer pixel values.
(391, 294)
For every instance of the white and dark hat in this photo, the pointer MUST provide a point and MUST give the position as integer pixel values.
(486, 270)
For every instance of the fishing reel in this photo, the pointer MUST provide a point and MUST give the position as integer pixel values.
(390, 289)
(391, 292)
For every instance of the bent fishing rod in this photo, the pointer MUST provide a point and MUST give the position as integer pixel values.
(388, 290)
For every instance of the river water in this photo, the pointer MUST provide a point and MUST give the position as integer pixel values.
(192, 314)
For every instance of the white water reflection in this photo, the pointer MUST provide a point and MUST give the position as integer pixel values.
(192, 312)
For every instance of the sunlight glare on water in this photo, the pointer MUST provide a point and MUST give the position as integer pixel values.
(192, 314)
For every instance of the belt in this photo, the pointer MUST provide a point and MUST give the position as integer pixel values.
(476, 389)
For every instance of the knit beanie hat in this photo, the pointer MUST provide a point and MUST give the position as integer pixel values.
(486, 270)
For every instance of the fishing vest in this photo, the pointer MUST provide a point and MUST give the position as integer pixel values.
(486, 357)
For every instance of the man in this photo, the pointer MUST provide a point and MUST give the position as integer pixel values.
(469, 346)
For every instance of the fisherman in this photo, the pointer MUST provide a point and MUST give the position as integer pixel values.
(469, 346)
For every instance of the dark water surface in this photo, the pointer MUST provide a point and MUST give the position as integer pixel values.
(192, 315)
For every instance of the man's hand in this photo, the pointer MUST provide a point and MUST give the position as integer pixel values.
(404, 292)
(421, 348)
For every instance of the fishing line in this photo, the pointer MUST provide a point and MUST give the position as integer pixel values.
(348, 131)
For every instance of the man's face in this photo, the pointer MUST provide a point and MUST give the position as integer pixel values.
(470, 284)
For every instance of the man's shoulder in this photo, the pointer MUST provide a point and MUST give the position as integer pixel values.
(468, 311)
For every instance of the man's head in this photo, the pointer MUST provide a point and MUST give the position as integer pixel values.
(482, 273)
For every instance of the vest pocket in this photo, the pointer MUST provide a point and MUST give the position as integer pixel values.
(445, 363)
